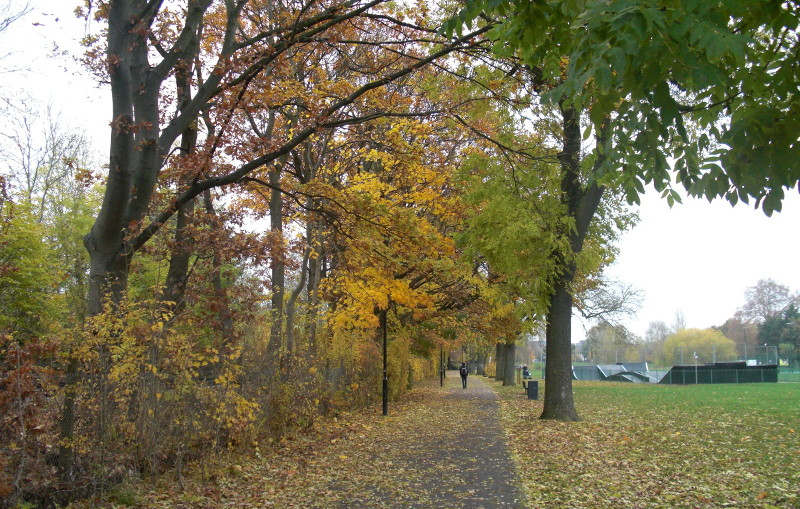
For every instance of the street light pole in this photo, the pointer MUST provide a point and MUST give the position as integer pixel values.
(441, 366)
(385, 370)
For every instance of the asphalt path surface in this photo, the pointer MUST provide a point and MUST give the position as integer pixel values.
(446, 451)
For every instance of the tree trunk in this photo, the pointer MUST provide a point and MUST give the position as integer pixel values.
(499, 361)
(178, 273)
(66, 455)
(316, 274)
(581, 205)
(290, 306)
(305, 160)
(225, 314)
(558, 401)
(509, 372)
(278, 275)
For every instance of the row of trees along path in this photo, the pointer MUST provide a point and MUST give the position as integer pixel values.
(440, 448)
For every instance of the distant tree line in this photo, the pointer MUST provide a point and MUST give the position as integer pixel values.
(768, 318)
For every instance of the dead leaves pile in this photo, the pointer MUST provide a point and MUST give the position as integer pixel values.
(357, 460)
(638, 446)
(661, 447)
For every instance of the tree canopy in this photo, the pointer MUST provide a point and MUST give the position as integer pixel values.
(710, 86)
(766, 299)
(27, 273)
(708, 344)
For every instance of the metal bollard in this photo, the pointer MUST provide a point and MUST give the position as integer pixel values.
(533, 389)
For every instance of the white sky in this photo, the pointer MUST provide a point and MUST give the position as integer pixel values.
(32, 43)
(697, 257)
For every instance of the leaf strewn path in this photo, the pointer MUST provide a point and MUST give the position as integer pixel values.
(443, 448)
(447, 451)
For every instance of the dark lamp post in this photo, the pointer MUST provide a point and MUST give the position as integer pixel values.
(441, 366)
(385, 370)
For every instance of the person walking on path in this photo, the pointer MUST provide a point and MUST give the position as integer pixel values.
(464, 372)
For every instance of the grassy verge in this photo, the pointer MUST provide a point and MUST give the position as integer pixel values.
(660, 446)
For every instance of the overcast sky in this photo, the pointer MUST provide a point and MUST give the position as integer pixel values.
(697, 257)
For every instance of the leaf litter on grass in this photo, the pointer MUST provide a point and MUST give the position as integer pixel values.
(643, 446)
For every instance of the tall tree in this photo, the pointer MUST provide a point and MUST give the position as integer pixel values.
(41, 155)
(643, 71)
(236, 54)
(679, 322)
(581, 201)
(765, 300)
(739, 330)
(782, 330)
(708, 344)
(656, 332)
(550, 206)
(49, 168)
(607, 343)
(654, 338)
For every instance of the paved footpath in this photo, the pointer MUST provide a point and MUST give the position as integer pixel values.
(445, 451)
(439, 448)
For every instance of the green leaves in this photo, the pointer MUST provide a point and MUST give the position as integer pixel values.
(28, 275)
(668, 73)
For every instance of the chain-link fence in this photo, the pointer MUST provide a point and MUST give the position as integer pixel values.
(789, 373)
(753, 355)
(722, 373)
(713, 365)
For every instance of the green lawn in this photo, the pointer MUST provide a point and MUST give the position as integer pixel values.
(661, 446)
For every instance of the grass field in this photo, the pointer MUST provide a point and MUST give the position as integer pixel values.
(660, 446)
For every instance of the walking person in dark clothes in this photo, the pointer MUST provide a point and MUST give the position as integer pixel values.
(464, 372)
